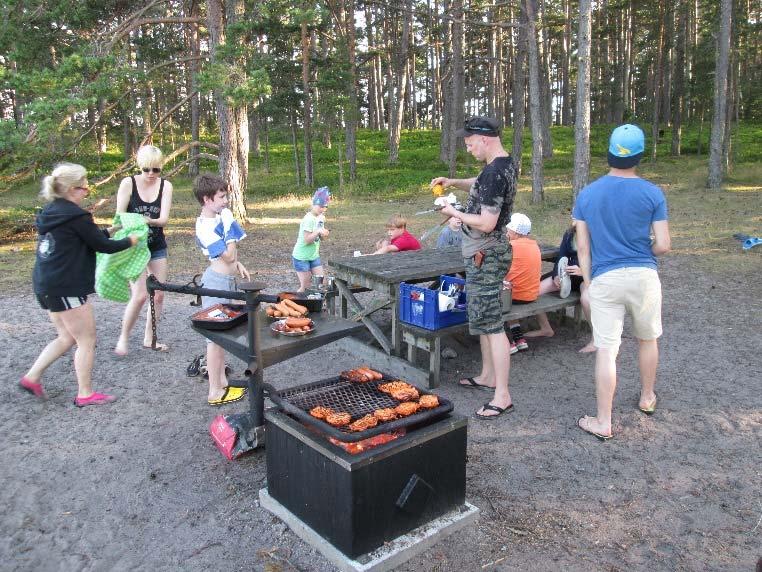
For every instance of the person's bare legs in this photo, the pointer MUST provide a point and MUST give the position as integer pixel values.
(584, 300)
(138, 296)
(158, 268)
(305, 279)
(500, 357)
(605, 387)
(53, 350)
(215, 366)
(80, 323)
(648, 360)
(544, 329)
(487, 375)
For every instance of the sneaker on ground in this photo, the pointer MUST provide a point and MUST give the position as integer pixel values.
(563, 277)
(94, 399)
(521, 343)
(514, 349)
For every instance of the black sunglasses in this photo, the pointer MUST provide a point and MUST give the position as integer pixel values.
(154, 169)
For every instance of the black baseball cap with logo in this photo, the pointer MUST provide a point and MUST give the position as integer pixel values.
(487, 126)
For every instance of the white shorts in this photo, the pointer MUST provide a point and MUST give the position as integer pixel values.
(636, 291)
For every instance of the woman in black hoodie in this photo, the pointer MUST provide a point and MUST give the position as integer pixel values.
(64, 275)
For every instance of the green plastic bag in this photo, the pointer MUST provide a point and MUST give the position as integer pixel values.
(114, 272)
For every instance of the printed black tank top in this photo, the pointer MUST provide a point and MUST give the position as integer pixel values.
(156, 240)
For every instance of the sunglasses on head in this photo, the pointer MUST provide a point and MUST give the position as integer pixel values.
(152, 169)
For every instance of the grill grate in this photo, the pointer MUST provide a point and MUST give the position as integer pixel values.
(357, 399)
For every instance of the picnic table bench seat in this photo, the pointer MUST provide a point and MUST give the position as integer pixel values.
(431, 340)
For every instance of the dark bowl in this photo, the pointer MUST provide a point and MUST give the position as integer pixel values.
(312, 305)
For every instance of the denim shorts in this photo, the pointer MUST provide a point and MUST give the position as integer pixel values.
(216, 281)
(157, 254)
(306, 265)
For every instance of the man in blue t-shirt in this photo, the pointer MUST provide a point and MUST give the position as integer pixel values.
(616, 217)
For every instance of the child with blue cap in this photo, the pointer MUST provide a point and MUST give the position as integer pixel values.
(306, 253)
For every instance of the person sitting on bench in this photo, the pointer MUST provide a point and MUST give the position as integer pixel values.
(567, 278)
(523, 274)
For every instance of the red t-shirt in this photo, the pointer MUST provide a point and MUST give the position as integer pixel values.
(406, 241)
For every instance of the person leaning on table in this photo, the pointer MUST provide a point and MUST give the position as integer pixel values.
(486, 255)
(616, 216)
(64, 275)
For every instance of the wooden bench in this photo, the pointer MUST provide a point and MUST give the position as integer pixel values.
(431, 340)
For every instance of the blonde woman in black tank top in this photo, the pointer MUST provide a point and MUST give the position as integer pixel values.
(149, 194)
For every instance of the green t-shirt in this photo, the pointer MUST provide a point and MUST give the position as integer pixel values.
(303, 251)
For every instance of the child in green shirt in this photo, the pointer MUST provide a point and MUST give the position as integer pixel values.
(306, 253)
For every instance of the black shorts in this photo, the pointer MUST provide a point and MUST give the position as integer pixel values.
(60, 303)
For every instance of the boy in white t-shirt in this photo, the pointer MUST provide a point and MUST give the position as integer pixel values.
(217, 235)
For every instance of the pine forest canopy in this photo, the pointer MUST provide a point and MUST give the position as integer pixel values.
(212, 79)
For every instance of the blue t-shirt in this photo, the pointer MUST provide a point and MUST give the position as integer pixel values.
(619, 212)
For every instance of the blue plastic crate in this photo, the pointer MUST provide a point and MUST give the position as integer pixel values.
(419, 306)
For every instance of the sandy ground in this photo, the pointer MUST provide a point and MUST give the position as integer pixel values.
(138, 485)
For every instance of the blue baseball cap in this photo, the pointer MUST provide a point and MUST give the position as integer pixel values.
(626, 146)
(321, 197)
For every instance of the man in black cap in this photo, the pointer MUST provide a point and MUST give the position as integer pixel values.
(486, 253)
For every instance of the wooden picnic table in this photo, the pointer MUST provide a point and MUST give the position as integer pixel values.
(383, 273)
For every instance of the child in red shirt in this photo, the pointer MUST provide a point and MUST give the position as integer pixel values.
(399, 238)
(524, 273)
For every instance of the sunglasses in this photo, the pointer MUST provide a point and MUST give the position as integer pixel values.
(86, 189)
(152, 170)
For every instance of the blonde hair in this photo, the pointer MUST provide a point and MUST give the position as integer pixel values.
(397, 221)
(64, 177)
(149, 156)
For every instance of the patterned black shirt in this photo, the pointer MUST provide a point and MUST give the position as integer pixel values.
(495, 191)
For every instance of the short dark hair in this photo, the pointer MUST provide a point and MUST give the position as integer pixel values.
(207, 185)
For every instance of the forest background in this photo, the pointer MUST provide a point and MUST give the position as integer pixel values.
(365, 96)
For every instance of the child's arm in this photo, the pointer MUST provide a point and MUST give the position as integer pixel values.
(231, 257)
(386, 249)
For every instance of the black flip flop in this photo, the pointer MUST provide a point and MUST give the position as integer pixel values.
(599, 436)
(489, 407)
(473, 385)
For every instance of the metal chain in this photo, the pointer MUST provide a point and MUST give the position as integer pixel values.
(153, 319)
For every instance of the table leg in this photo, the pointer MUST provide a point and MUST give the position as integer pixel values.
(394, 296)
(374, 328)
(435, 358)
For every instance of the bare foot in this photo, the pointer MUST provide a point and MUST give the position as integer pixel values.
(588, 349)
(539, 334)
(121, 348)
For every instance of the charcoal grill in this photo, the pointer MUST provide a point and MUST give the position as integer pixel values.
(357, 399)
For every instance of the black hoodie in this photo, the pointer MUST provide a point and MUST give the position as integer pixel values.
(66, 246)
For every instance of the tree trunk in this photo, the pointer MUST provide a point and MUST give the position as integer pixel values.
(458, 83)
(679, 78)
(373, 119)
(519, 90)
(295, 146)
(352, 111)
(716, 174)
(543, 67)
(565, 64)
(307, 102)
(232, 120)
(536, 118)
(657, 78)
(397, 103)
(192, 86)
(582, 114)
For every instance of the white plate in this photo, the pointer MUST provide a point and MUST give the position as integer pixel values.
(277, 327)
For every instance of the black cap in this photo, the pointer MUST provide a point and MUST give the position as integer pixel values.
(479, 125)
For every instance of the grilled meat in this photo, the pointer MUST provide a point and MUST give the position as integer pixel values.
(363, 423)
(338, 419)
(385, 414)
(321, 412)
(428, 401)
(407, 408)
(406, 394)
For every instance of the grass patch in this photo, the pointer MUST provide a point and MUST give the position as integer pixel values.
(702, 222)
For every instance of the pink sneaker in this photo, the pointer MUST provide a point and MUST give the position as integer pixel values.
(514, 349)
(94, 399)
(33, 387)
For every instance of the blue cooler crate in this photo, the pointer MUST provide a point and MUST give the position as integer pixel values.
(419, 306)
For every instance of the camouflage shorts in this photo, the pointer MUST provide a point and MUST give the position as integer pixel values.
(485, 311)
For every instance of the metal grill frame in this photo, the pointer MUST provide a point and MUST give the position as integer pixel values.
(297, 401)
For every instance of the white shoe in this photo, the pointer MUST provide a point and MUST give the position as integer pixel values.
(563, 277)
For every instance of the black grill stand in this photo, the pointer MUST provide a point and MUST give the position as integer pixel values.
(250, 426)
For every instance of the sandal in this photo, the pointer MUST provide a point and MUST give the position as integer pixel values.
(94, 399)
(231, 395)
(651, 409)
(33, 387)
(599, 436)
(490, 407)
(471, 384)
